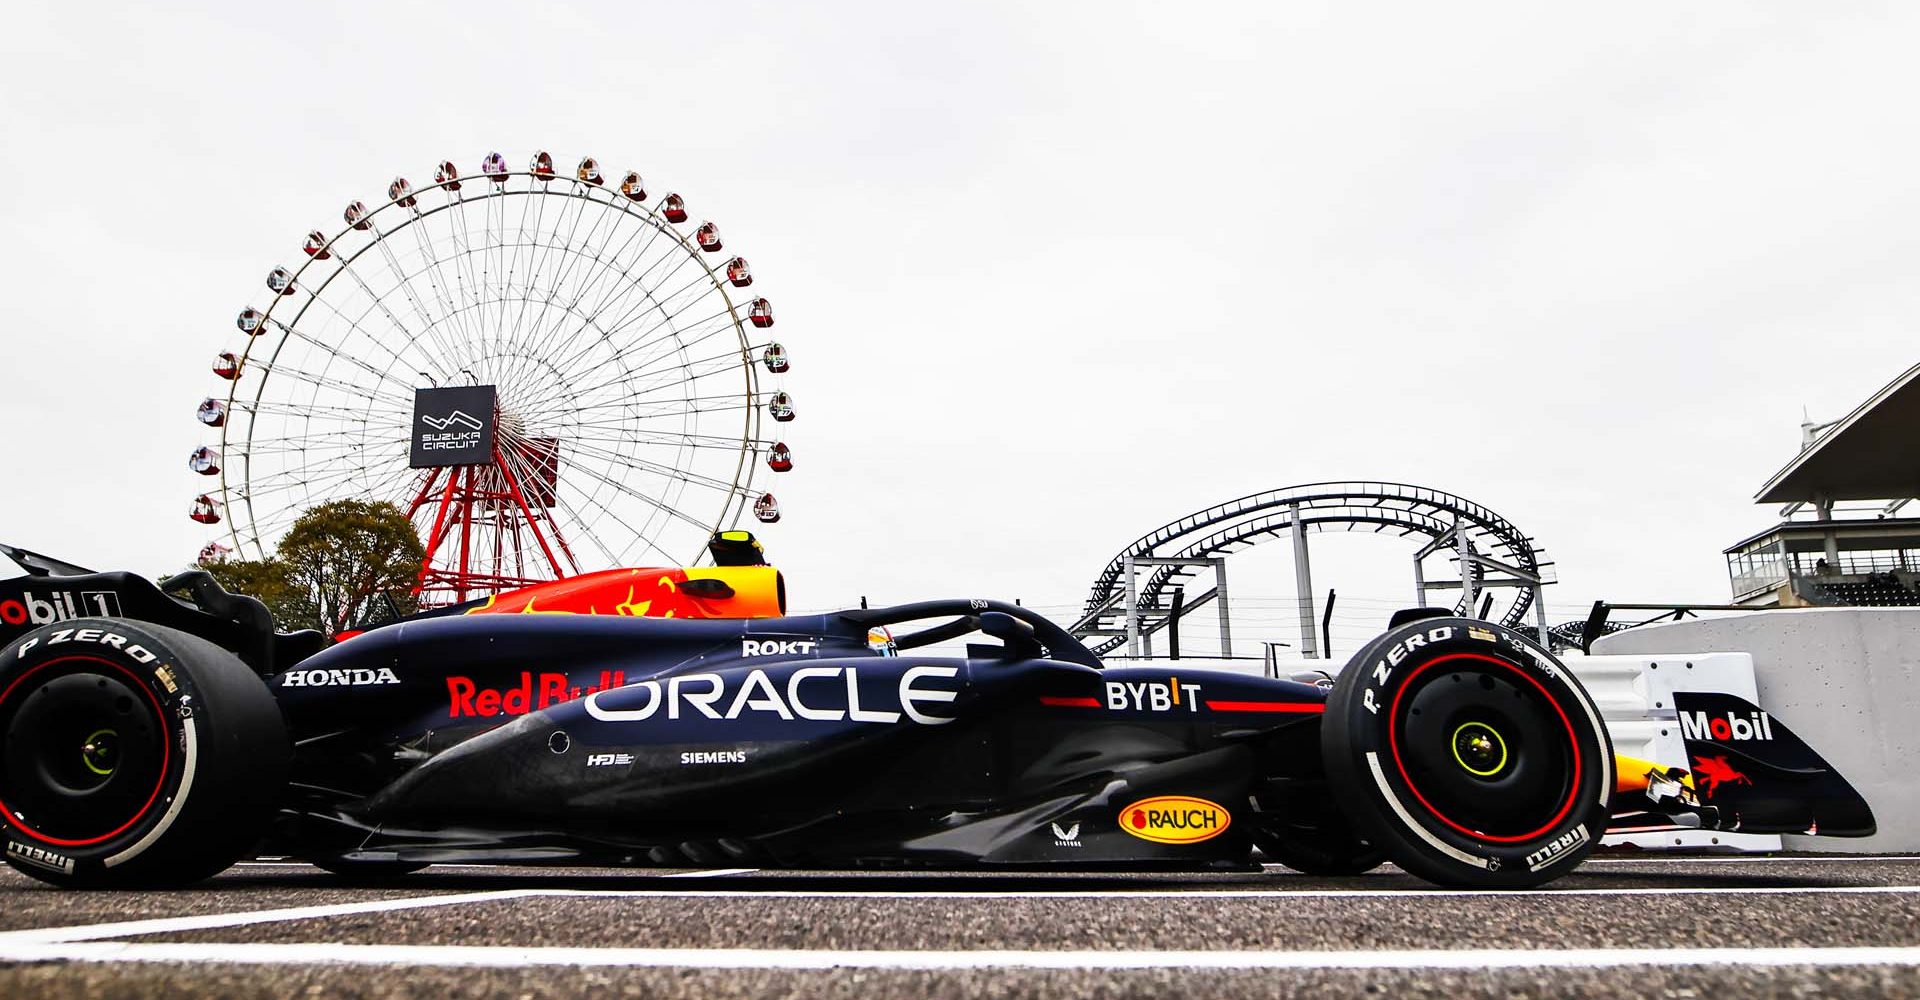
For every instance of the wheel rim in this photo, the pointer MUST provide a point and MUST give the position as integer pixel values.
(1485, 748)
(87, 751)
(100, 754)
(1480, 750)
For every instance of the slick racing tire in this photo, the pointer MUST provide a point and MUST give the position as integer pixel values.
(1468, 754)
(133, 755)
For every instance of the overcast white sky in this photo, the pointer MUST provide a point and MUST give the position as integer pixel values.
(1052, 273)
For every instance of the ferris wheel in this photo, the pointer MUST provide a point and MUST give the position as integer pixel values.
(549, 372)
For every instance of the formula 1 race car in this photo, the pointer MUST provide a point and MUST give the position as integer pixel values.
(679, 717)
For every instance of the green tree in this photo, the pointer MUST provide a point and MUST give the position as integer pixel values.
(266, 579)
(343, 557)
(337, 563)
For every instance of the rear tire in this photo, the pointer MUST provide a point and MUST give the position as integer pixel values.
(1468, 754)
(133, 755)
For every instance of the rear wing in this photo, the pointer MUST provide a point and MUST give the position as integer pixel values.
(35, 564)
(52, 591)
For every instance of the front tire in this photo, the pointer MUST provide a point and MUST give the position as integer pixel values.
(133, 755)
(1468, 754)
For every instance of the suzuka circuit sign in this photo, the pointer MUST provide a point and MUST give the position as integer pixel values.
(452, 426)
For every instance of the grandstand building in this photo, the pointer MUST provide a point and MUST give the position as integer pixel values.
(1842, 543)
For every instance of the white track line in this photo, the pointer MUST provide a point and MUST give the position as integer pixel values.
(302, 864)
(714, 873)
(506, 867)
(171, 925)
(755, 958)
(1207, 894)
(1685, 859)
(1650, 860)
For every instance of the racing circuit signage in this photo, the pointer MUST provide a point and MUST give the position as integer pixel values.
(453, 426)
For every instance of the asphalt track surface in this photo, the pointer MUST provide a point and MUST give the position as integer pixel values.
(1628, 926)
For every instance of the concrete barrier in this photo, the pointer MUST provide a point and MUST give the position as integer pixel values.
(1846, 679)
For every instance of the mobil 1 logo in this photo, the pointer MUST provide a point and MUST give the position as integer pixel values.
(453, 426)
(47, 605)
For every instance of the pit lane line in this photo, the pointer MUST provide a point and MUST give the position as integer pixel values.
(31, 938)
(1649, 860)
(713, 873)
(710, 873)
(1080, 960)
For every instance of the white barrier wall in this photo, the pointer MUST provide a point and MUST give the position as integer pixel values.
(1847, 680)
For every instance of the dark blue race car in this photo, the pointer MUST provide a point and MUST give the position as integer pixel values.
(155, 737)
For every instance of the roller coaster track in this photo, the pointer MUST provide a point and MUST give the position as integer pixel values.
(1340, 506)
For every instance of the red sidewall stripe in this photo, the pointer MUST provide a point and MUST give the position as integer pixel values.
(1573, 744)
(166, 752)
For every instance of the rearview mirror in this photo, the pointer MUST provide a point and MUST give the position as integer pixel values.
(1018, 635)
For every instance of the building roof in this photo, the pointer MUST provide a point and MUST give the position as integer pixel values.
(1851, 532)
(1873, 454)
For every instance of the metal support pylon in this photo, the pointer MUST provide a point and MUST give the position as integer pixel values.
(1303, 587)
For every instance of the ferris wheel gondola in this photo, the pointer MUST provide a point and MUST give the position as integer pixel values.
(205, 461)
(627, 385)
(205, 509)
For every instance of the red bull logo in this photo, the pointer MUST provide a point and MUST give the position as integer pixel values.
(1710, 773)
(467, 699)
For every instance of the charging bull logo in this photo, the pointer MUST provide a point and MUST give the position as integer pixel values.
(1175, 819)
(1710, 773)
